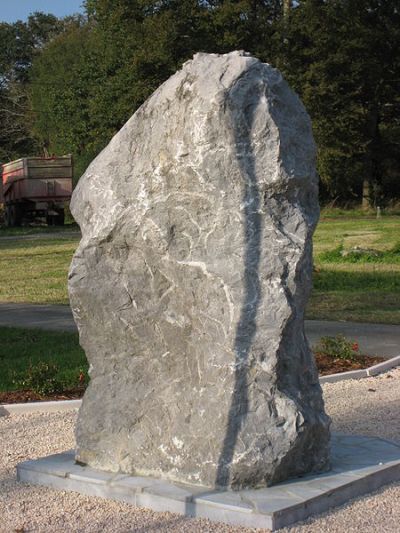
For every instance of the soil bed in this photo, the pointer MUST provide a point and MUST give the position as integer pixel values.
(326, 365)
(26, 396)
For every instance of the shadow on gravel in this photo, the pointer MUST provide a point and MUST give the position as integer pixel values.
(374, 418)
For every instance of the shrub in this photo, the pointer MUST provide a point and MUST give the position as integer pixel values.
(337, 347)
(41, 378)
(361, 255)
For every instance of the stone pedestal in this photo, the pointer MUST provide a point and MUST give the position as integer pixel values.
(359, 465)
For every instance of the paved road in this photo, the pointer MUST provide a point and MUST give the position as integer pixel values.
(374, 339)
(53, 317)
(38, 236)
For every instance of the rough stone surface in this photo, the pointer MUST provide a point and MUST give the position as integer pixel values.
(190, 281)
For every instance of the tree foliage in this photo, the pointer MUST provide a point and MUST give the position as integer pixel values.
(20, 44)
(74, 82)
(342, 56)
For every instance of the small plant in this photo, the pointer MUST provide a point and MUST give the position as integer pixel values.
(41, 378)
(82, 378)
(337, 347)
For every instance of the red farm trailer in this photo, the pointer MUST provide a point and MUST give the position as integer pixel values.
(36, 187)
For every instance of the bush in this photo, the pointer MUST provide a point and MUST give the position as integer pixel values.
(40, 378)
(361, 255)
(337, 347)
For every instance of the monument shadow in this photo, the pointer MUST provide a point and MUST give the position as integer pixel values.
(242, 119)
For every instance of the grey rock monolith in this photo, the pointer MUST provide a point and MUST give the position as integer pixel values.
(190, 283)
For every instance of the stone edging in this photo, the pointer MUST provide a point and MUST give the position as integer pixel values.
(36, 407)
(67, 405)
(364, 373)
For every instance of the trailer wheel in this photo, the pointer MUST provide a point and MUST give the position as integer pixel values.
(60, 218)
(50, 220)
(7, 215)
(55, 220)
(13, 215)
(19, 211)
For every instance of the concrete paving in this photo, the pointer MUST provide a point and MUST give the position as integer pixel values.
(373, 339)
(49, 317)
(359, 465)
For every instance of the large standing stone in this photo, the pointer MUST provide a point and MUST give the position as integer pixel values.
(190, 282)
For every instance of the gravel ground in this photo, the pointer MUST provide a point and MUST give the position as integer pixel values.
(368, 407)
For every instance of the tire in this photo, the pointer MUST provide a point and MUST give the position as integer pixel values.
(7, 216)
(12, 216)
(60, 218)
(56, 220)
(18, 212)
(50, 219)
(15, 215)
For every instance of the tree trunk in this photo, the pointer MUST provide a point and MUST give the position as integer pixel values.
(372, 160)
(366, 198)
(287, 5)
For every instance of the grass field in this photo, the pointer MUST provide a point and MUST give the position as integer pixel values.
(35, 271)
(37, 230)
(364, 287)
(24, 348)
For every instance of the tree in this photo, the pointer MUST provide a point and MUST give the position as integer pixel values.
(89, 80)
(343, 58)
(63, 81)
(140, 44)
(246, 24)
(15, 55)
(19, 44)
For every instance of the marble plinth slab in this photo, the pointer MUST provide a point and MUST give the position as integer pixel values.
(359, 465)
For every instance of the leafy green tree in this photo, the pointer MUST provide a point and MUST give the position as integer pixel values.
(89, 80)
(342, 56)
(15, 55)
(139, 45)
(246, 24)
(19, 45)
(63, 81)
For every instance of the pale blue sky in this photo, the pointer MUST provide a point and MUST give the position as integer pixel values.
(12, 10)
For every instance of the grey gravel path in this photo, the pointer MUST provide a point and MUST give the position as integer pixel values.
(369, 407)
(374, 339)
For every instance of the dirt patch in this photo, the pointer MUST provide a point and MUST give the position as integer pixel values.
(26, 396)
(328, 365)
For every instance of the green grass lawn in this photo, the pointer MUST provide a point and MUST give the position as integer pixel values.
(35, 271)
(365, 288)
(367, 232)
(361, 288)
(24, 348)
(37, 230)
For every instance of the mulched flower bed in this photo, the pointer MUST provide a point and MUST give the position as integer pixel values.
(25, 396)
(326, 365)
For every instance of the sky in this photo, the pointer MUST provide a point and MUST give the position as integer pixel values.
(12, 10)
